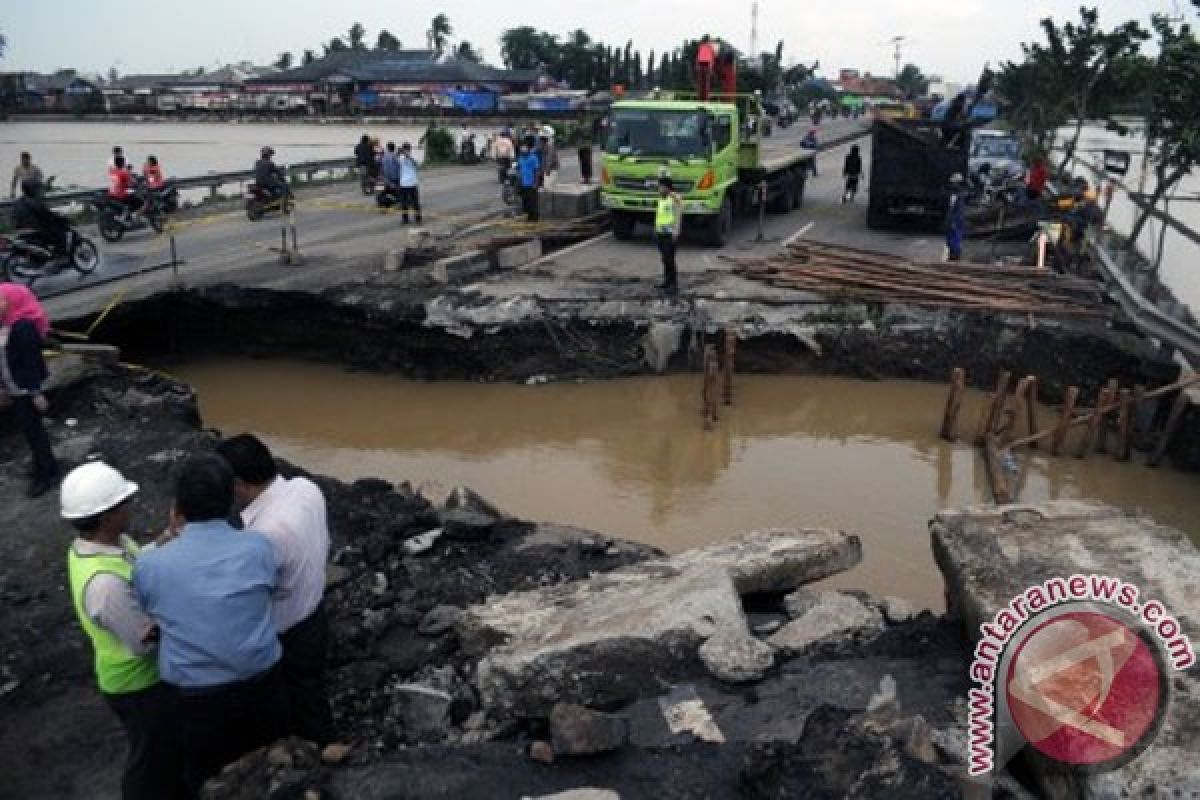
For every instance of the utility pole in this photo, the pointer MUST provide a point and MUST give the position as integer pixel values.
(898, 53)
(753, 30)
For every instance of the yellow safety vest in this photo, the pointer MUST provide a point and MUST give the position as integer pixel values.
(664, 216)
(118, 671)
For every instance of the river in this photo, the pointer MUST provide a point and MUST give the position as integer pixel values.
(630, 458)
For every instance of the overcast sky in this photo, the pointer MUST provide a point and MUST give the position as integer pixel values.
(948, 37)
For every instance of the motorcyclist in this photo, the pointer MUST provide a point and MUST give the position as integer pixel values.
(121, 185)
(153, 173)
(30, 211)
(268, 176)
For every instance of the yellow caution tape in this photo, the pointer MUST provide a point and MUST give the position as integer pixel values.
(113, 303)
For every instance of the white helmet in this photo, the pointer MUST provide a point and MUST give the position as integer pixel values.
(93, 489)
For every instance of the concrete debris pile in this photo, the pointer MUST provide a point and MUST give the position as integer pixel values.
(849, 273)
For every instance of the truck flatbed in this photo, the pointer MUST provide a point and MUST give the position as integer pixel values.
(783, 150)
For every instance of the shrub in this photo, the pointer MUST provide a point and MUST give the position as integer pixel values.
(439, 146)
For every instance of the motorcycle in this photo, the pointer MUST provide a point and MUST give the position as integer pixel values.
(259, 201)
(511, 189)
(27, 257)
(368, 180)
(114, 218)
(388, 196)
(167, 197)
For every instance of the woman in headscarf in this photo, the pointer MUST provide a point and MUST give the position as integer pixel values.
(23, 329)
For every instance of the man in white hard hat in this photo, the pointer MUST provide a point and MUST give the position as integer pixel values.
(95, 499)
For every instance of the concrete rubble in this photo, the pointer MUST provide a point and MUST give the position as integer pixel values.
(817, 616)
(617, 636)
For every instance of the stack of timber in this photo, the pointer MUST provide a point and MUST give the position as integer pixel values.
(864, 275)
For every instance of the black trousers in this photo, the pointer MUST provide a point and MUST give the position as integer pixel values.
(666, 248)
(303, 666)
(585, 164)
(45, 465)
(529, 202)
(502, 166)
(154, 766)
(218, 725)
(410, 198)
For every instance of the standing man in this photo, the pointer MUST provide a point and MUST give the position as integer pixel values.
(504, 154)
(410, 193)
(668, 226)
(390, 167)
(956, 218)
(585, 152)
(291, 514)
(23, 329)
(810, 142)
(24, 170)
(529, 165)
(851, 172)
(210, 591)
(95, 499)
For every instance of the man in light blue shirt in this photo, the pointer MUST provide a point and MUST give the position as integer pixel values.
(410, 197)
(210, 591)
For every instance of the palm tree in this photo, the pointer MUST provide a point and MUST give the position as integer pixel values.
(355, 36)
(308, 57)
(440, 31)
(466, 52)
(284, 61)
(387, 41)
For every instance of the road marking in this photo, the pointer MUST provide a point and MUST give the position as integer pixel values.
(798, 235)
(571, 249)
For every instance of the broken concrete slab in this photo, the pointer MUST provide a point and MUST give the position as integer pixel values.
(570, 200)
(462, 267)
(736, 657)
(624, 634)
(518, 255)
(990, 555)
(423, 710)
(819, 615)
(579, 731)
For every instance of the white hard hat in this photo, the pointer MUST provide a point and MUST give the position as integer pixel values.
(93, 489)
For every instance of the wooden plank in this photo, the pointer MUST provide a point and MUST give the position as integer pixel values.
(993, 458)
(958, 384)
(1018, 401)
(1031, 409)
(1173, 419)
(1095, 422)
(999, 398)
(1124, 420)
(1114, 393)
(1064, 420)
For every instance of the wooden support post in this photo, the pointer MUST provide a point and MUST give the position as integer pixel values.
(994, 458)
(709, 391)
(1139, 399)
(981, 430)
(1064, 420)
(958, 384)
(1124, 421)
(1114, 392)
(997, 405)
(1031, 404)
(1095, 424)
(730, 353)
(1015, 415)
(1173, 419)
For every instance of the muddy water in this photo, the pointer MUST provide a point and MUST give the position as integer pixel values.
(630, 458)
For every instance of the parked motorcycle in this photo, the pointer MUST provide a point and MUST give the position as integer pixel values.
(260, 201)
(511, 189)
(114, 218)
(388, 196)
(26, 257)
(368, 181)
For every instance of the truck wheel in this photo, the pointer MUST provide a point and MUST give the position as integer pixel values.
(798, 194)
(782, 202)
(877, 218)
(721, 225)
(622, 225)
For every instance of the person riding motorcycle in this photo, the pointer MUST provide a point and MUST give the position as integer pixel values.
(268, 176)
(30, 211)
(153, 173)
(122, 185)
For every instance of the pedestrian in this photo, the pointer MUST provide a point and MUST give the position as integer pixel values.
(851, 171)
(505, 153)
(956, 218)
(24, 170)
(410, 192)
(23, 329)
(364, 154)
(95, 500)
(210, 592)
(548, 153)
(291, 513)
(585, 154)
(810, 142)
(668, 226)
(529, 167)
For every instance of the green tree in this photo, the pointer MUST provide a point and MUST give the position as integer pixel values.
(651, 75)
(912, 81)
(308, 58)
(1172, 89)
(335, 45)
(387, 41)
(520, 48)
(356, 37)
(284, 61)
(639, 79)
(440, 31)
(3, 44)
(664, 71)
(466, 52)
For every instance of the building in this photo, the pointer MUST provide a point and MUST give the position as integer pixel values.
(376, 80)
(64, 91)
(219, 90)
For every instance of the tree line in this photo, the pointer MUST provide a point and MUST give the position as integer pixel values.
(437, 38)
(1081, 72)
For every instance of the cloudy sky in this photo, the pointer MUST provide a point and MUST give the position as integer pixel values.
(948, 37)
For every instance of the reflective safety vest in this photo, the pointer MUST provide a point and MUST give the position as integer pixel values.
(118, 671)
(664, 216)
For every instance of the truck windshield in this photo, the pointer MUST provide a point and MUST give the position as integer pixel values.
(653, 132)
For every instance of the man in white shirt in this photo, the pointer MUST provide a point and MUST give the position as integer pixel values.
(410, 195)
(291, 513)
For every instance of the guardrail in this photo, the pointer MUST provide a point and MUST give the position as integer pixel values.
(211, 181)
(1149, 318)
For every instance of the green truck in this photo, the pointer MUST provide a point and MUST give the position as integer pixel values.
(715, 155)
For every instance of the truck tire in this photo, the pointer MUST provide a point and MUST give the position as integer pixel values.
(622, 225)
(782, 202)
(799, 186)
(721, 225)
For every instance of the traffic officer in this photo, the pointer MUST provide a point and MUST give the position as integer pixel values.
(668, 226)
(95, 499)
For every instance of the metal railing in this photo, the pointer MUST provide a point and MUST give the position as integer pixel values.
(211, 181)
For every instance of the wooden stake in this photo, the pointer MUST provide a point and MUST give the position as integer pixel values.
(1114, 392)
(993, 457)
(997, 405)
(981, 430)
(1031, 404)
(1124, 420)
(1139, 397)
(1064, 420)
(1173, 419)
(958, 383)
(709, 392)
(1014, 413)
(1095, 424)
(730, 354)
